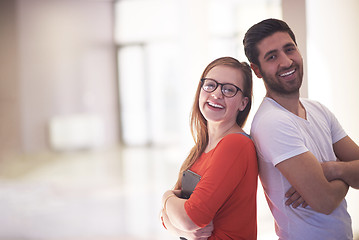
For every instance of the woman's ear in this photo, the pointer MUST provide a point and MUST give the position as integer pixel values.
(256, 70)
(243, 104)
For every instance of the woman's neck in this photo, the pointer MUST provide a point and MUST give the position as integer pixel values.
(217, 131)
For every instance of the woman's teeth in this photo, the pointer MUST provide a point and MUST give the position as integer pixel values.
(215, 105)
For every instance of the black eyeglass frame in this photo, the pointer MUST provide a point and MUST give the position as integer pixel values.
(220, 84)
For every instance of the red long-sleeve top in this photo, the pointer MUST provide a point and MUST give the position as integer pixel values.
(227, 190)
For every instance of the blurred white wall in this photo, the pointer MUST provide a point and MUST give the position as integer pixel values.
(333, 37)
(65, 66)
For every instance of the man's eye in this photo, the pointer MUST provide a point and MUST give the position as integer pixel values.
(291, 49)
(272, 57)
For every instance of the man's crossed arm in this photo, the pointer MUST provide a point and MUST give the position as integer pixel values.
(313, 182)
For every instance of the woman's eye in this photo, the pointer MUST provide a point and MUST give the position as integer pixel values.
(210, 85)
(229, 90)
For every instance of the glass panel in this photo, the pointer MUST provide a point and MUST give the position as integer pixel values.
(133, 95)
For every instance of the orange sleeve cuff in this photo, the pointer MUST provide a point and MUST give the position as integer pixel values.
(163, 223)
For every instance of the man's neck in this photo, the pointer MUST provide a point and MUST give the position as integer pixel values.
(290, 102)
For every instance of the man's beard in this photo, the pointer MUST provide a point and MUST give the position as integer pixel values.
(276, 86)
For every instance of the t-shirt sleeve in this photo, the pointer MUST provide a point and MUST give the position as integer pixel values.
(271, 135)
(226, 167)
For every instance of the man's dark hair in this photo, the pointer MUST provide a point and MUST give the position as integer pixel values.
(260, 31)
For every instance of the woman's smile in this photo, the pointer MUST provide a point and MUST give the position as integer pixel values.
(215, 105)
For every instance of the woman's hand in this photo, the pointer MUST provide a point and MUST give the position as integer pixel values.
(207, 230)
(199, 234)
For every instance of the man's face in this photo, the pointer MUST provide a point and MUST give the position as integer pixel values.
(281, 64)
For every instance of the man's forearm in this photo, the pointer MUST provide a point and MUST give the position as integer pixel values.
(345, 171)
(339, 190)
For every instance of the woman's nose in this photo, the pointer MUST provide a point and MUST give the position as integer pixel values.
(217, 94)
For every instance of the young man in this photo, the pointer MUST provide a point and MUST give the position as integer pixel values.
(306, 160)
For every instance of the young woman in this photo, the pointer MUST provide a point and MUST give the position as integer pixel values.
(223, 203)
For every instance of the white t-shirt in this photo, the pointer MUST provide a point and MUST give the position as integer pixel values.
(278, 135)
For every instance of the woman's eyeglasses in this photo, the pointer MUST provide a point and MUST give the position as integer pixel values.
(228, 90)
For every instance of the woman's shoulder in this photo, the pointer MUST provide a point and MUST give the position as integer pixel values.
(237, 140)
(238, 136)
(236, 146)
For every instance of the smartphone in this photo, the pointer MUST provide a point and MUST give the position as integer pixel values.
(189, 183)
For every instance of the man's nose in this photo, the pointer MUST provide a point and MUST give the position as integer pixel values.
(285, 61)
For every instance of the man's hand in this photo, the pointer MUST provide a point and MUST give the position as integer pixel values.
(331, 170)
(294, 198)
(309, 181)
(348, 172)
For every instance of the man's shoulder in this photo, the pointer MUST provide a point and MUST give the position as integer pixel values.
(311, 103)
(315, 107)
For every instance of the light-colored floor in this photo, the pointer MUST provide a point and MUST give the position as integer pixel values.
(94, 195)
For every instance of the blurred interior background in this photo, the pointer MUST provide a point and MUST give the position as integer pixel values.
(95, 97)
